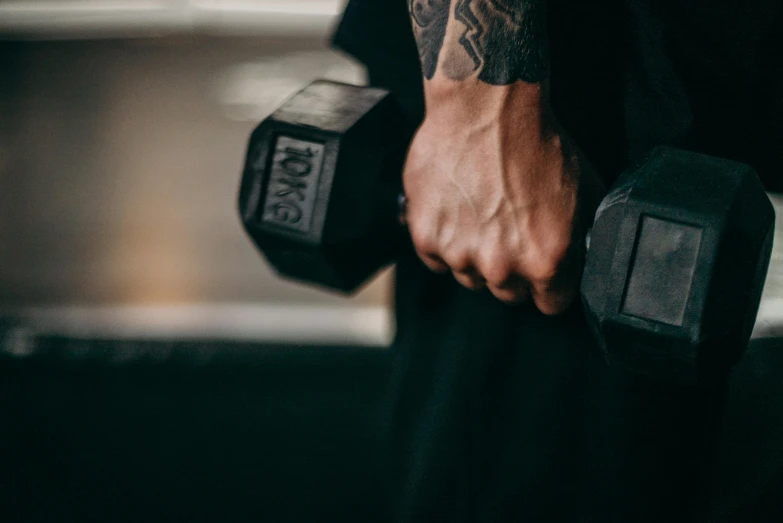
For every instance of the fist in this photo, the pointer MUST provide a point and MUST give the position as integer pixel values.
(499, 196)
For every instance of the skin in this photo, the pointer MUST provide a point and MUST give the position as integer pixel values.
(498, 193)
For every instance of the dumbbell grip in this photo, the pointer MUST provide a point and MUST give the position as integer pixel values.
(402, 209)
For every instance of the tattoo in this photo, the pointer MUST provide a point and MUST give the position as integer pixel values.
(430, 18)
(501, 41)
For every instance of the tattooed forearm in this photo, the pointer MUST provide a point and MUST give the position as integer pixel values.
(430, 18)
(500, 41)
(504, 39)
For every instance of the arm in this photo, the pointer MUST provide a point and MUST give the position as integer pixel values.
(497, 192)
(497, 41)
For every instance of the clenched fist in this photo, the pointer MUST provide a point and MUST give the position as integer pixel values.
(498, 194)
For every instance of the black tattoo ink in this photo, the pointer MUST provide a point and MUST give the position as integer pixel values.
(471, 38)
(505, 39)
(430, 18)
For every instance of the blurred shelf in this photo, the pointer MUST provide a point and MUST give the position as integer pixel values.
(130, 18)
(368, 326)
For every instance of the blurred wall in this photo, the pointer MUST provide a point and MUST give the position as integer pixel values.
(50, 19)
(119, 166)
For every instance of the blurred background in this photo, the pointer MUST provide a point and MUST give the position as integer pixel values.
(123, 131)
(123, 127)
(152, 367)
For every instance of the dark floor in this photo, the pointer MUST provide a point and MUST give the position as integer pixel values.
(170, 432)
(105, 431)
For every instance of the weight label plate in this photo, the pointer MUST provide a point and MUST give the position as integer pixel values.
(662, 271)
(293, 183)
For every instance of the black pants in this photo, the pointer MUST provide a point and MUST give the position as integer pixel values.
(498, 413)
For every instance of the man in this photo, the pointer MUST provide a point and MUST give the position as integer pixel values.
(502, 408)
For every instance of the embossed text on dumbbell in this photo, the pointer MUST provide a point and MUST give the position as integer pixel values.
(293, 184)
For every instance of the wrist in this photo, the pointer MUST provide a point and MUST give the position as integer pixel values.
(473, 102)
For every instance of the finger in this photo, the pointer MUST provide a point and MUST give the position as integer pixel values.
(433, 262)
(470, 280)
(557, 295)
(461, 264)
(501, 279)
(553, 302)
(425, 244)
(517, 293)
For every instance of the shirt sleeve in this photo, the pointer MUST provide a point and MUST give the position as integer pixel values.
(378, 33)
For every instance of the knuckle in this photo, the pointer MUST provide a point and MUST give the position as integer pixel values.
(460, 262)
(423, 237)
(433, 263)
(498, 274)
(542, 272)
(553, 302)
(496, 267)
(547, 263)
(507, 295)
(468, 281)
(549, 308)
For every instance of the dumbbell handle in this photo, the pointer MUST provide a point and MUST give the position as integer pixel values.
(402, 208)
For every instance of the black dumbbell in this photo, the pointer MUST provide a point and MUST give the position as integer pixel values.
(678, 254)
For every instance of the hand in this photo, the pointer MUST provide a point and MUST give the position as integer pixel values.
(498, 194)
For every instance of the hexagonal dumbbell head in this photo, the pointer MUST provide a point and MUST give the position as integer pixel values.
(678, 257)
(322, 174)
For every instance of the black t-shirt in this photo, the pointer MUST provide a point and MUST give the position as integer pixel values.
(497, 413)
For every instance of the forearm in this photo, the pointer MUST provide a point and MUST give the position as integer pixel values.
(485, 64)
(497, 192)
(496, 42)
